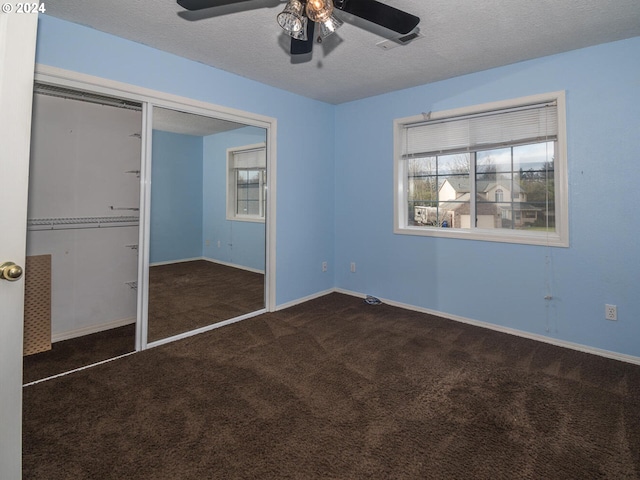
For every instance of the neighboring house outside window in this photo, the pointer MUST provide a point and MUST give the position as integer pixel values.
(493, 172)
(246, 183)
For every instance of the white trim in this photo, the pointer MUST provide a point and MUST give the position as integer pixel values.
(488, 235)
(234, 265)
(208, 328)
(179, 260)
(562, 174)
(149, 98)
(88, 330)
(270, 221)
(246, 218)
(298, 301)
(559, 238)
(511, 331)
(81, 81)
(144, 233)
(78, 369)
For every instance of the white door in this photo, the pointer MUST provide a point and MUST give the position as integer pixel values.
(17, 53)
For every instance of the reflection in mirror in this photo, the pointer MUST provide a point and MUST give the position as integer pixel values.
(207, 222)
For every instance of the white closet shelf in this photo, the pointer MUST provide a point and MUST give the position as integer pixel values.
(81, 222)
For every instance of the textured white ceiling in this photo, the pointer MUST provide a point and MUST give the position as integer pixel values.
(460, 37)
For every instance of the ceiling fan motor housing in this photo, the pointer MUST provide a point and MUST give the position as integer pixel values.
(292, 20)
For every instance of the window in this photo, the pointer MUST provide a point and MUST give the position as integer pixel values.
(246, 183)
(493, 172)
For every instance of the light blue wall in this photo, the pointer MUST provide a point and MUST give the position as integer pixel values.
(502, 283)
(337, 196)
(304, 157)
(176, 197)
(241, 243)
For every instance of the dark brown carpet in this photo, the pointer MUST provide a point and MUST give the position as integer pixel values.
(78, 352)
(338, 389)
(188, 295)
(183, 296)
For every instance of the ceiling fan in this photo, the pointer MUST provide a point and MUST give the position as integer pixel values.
(299, 17)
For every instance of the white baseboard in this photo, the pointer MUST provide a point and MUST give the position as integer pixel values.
(234, 265)
(180, 260)
(81, 332)
(511, 331)
(305, 299)
(212, 260)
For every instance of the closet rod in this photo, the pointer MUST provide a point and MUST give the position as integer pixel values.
(62, 223)
(83, 96)
(135, 209)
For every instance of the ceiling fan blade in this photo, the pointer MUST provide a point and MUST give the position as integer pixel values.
(380, 14)
(193, 5)
(300, 47)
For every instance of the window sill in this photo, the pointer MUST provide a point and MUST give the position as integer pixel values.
(246, 219)
(552, 239)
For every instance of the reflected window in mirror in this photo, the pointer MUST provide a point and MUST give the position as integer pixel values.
(249, 184)
(246, 183)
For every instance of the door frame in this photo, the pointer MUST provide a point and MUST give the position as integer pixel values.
(150, 98)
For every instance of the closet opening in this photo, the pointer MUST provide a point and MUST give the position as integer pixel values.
(81, 273)
(151, 218)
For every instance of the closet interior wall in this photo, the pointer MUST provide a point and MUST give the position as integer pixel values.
(84, 193)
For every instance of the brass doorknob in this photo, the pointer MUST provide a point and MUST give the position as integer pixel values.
(10, 271)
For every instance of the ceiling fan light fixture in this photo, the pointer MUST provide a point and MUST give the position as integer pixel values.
(292, 19)
(329, 26)
(319, 10)
(302, 33)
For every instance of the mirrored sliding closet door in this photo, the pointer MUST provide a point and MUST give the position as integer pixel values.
(207, 222)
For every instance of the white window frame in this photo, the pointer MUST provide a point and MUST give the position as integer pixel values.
(559, 238)
(232, 185)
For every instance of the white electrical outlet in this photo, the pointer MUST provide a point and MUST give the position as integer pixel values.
(353, 267)
(218, 243)
(611, 312)
(324, 266)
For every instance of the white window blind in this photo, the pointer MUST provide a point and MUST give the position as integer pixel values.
(254, 158)
(493, 129)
